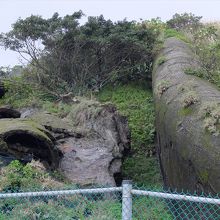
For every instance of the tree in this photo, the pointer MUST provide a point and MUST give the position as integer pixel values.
(65, 56)
(185, 21)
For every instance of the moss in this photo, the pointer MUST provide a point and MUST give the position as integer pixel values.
(3, 145)
(160, 60)
(185, 111)
(161, 87)
(50, 120)
(206, 141)
(135, 101)
(204, 176)
(173, 33)
(194, 71)
(210, 113)
(8, 125)
(184, 152)
(189, 99)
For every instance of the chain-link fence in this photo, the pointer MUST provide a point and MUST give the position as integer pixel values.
(113, 203)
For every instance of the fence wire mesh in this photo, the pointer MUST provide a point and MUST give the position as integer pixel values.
(169, 205)
(101, 203)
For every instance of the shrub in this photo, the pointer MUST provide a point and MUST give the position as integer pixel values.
(19, 177)
(185, 21)
(84, 57)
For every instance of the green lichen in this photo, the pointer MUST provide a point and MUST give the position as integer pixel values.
(210, 113)
(189, 99)
(206, 140)
(185, 111)
(161, 60)
(8, 125)
(162, 86)
(210, 126)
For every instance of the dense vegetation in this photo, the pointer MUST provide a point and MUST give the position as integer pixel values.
(135, 101)
(17, 177)
(69, 57)
(100, 59)
(108, 61)
(204, 38)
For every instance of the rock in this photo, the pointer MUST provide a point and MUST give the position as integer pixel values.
(28, 112)
(26, 140)
(8, 112)
(187, 122)
(96, 157)
(92, 141)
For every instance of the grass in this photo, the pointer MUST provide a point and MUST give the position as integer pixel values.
(100, 206)
(135, 101)
(173, 33)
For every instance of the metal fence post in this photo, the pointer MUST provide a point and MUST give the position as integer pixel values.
(126, 200)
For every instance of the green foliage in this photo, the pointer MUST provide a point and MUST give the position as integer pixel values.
(19, 93)
(19, 177)
(204, 40)
(136, 102)
(193, 71)
(209, 56)
(142, 169)
(184, 21)
(85, 57)
(174, 33)
(156, 209)
(161, 60)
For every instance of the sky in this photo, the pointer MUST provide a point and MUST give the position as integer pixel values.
(11, 10)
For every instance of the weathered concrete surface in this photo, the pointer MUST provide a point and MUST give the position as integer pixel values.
(26, 140)
(187, 122)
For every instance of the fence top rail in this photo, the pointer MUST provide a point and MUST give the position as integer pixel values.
(60, 192)
(176, 196)
(112, 189)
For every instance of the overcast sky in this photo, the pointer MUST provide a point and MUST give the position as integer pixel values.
(11, 10)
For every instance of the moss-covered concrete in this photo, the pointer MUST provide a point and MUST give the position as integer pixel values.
(26, 138)
(29, 126)
(187, 122)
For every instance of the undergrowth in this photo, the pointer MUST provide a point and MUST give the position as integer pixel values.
(135, 101)
(22, 94)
